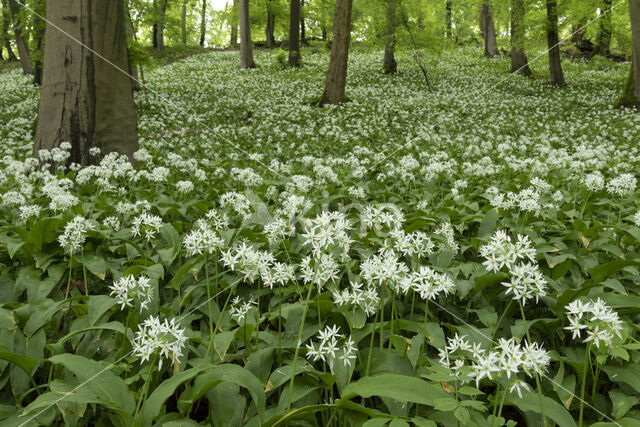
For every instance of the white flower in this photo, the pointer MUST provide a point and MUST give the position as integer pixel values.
(75, 234)
(165, 338)
(518, 386)
(146, 225)
(129, 291)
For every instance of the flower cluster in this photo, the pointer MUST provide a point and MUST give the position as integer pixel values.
(164, 338)
(366, 299)
(428, 283)
(599, 322)
(75, 234)
(240, 308)
(327, 231)
(129, 291)
(331, 345)
(202, 240)
(146, 225)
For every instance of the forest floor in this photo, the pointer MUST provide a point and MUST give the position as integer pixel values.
(496, 208)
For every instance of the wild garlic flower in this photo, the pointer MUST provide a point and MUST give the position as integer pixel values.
(278, 229)
(379, 216)
(164, 338)
(216, 220)
(416, 243)
(278, 273)
(240, 308)
(75, 234)
(29, 211)
(383, 268)
(129, 291)
(238, 202)
(146, 225)
(622, 185)
(501, 252)
(319, 269)
(327, 231)
(331, 346)
(184, 187)
(13, 198)
(599, 322)
(636, 219)
(428, 283)
(446, 231)
(202, 240)
(527, 282)
(594, 181)
(247, 260)
(366, 299)
(112, 223)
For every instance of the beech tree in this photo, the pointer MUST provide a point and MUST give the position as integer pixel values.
(389, 64)
(294, 33)
(519, 61)
(555, 63)
(203, 22)
(6, 39)
(603, 43)
(234, 24)
(448, 19)
(488, 30)
(631, 92)
(21, 42)
(270, 40)
(160, 10)
(337, 74)
(85, 100)
(246, 45)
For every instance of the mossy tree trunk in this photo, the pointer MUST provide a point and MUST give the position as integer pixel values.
(336, 80)
(271, 24)
(519, 61)
(85, 100)
(294, 33)
(6, 18)
(631, 92)
(234, 25)
(38, 54)
(389, 64)
(246, 45)
(161, 11)
(489, 31)
(203, 22)
(448, 19)
(555, 63)
(23, 47)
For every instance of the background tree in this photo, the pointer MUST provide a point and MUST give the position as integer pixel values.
(631, 92)
(448, 19)
(85, 100)
(389, 64)
(519, 61)
(183, 28)
(21, 42)
(294, 33)
(6, 38)
(246, 45)
(603, 45)
(234, 24)
(337, 74)
(270, 40)
(553, 43)
(488, 30)
(203, 22)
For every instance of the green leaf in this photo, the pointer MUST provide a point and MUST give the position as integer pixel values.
(154, 403)
(222, 342)
(622, 403)
(463, 415)
(629, 374)
(552, 409)
(24, 362)
(230, 373)
(96, 265)
(399, 387)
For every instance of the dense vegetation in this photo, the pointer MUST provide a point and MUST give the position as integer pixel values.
(467, 256)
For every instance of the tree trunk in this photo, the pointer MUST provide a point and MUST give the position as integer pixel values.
(489, 31)
(6, 18)
(555, 63)
(519, 62)
(448, 20)
(84, 100)
(184, 23)
(131, 37)
(234, 25)
(303, 38)
(389, 64)
(271, 23)
(604, 35)
(159, 27)
(203, 22)
(631, 93)
(23, 47)
(337, 74)
(38, 56)
(246, 46)
(294, 35)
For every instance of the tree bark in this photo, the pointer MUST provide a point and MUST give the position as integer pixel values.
(604, 35)
(448, 19)
(184, 23)
(294, 36)
(303, 37)
(84, 100)
(519, 62)
(631, 93)
(271, 23)
(131, 38)
(159, 26)
(203, 22)
(6, 18)
(38, 56)
(246, 46)
(23, 47)
(337, 74)
(234, 24)
(389, 64)
(555, 63)
(489, 31)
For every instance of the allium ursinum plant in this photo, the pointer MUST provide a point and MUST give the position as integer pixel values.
(161, 339)
(332, 345)
(75, 234)
(240, 308)
(366, 299)
(146, 225)
(329, 231)
(130, 291)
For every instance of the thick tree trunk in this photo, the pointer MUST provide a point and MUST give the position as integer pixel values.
(159, 27)
(294, 35)
(203, 22)
(246, 45)
(604, 35)
(519, 62)
(389, 64)
(6, 18)
(337, 74)
(234, 24)
(555, 63)
(271, 24)
(84, 100)
(184, 22)
(303, 37)
(631, 93)
(38, 55)
(489, 31)
(23, 47)
(131, 37)
(448, 20)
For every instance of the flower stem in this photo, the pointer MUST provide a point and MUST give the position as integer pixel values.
(145, 388)
(295, 356)
(587, 358)
(206, 272)
(538, 385)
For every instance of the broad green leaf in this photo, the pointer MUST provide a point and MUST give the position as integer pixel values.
(25, 363)
(398, 387)
(552, 409)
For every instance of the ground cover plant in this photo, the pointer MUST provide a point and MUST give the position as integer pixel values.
(458, 257)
